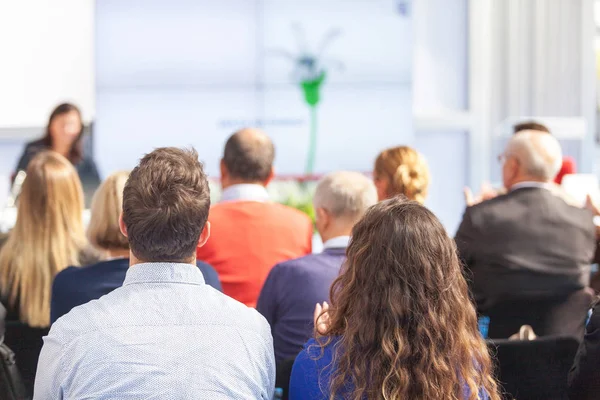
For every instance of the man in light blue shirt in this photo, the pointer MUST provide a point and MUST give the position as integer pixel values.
(164, 334)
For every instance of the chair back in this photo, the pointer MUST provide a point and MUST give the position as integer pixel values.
(560, 316)
(283, 375)
(536, 369)
(26, 343)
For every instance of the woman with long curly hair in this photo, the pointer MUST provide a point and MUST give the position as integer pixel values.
(401, 324)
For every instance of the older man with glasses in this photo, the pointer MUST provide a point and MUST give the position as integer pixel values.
(529, 242)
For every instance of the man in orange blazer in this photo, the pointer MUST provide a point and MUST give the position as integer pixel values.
(249, 233)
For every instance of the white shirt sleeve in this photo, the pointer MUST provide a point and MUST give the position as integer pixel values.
(50, 373)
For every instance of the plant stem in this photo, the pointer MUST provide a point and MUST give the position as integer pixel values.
(312, 146)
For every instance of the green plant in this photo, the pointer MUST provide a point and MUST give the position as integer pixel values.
(310, 70)
(306, 206)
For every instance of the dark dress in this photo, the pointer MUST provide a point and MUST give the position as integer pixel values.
(75, 286)
(26, 341)
(88, 173)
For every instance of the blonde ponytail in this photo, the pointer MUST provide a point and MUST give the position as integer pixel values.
(406, 171)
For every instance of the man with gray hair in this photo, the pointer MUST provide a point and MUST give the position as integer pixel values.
(293, 288)
(528, 243)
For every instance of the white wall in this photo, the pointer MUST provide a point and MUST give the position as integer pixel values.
(46, 48)
(46, 57)
(214, 67)
(440, 88)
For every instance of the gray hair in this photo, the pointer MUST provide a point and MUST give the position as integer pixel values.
(538, 152)
(345, 194)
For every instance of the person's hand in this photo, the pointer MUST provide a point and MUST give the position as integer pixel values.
(486, 192)
(321, 318)
(589, 204)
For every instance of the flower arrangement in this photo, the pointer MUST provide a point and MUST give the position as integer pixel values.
(310, 72)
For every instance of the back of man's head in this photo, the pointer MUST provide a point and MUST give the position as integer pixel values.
(538, 153)
(165, 205)
(530, 126)
(345, 195)
(248, 156)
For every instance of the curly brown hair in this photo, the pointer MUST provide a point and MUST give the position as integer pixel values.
(401, 309)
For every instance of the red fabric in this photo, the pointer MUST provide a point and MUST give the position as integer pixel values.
(568, 167)
(248, 238)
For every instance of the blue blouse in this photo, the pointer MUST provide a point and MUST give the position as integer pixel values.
(313, 363)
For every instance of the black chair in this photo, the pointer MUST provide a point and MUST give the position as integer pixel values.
(560, 316)
(26, 342)
(283, 374)
(536, 369)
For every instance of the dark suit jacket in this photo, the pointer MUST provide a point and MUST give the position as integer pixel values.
(289, 295)
(584, 378)
(527, 243)
(75, 286)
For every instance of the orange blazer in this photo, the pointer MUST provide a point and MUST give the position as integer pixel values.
(247, 238)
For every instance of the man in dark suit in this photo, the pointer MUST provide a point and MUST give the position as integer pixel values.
(294, 287)
(528, 242)
(584, 378)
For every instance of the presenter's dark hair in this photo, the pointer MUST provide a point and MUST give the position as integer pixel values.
(165, 205)
(76, 153)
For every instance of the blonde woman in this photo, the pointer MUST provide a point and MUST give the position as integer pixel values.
(401, 170)
(47, 237)
(76, 286)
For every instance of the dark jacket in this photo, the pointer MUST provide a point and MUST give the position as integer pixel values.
(527, 243)
(584, 378)
(86, 168)
(289, 295)
(75, 286)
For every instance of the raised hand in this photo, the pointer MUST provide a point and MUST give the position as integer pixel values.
(321, 318)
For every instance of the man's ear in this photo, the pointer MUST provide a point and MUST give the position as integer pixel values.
(223, 170)
(322, 217)
(204, 235)
(270, 177)
(122, 225)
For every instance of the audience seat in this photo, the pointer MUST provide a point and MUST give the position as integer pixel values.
(536, 369)
(563, 316)
(283, 374)
(26, 342)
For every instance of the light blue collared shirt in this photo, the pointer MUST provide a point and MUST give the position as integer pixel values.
(245, 191)
(163, 335)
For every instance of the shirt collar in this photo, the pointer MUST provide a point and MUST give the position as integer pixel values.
(530, 184)
(164, 272)
(338, 242)
(245, 191)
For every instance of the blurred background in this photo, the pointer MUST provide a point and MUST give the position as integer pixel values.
(332, 82)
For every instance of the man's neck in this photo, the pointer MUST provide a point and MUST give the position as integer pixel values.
(528, 180)
(234, 182)
(334, 233)
(133, 260)
(245, 192)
